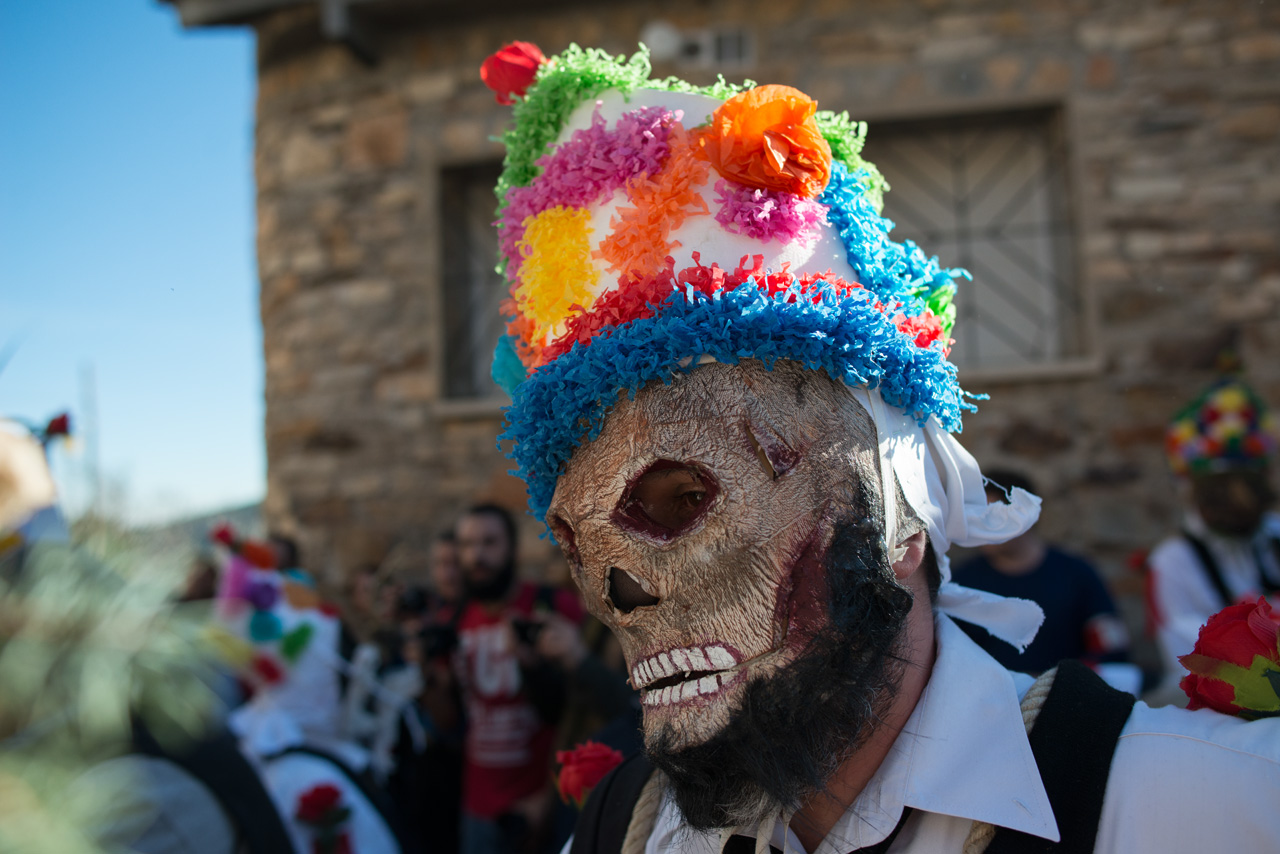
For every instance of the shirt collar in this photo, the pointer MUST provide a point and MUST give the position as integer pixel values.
(964, 752)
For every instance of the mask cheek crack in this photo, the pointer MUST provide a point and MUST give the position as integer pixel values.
(775, 455)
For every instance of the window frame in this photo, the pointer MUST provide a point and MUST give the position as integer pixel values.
(1088, 360)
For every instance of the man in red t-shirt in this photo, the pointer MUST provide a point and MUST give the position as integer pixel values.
(507, 752)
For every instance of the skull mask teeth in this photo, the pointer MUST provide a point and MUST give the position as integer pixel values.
(696, 525)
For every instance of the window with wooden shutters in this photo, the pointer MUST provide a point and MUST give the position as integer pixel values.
(990, 194)
(473, 290)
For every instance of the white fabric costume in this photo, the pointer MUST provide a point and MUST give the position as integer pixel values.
(1184, 597)
(1180, 781)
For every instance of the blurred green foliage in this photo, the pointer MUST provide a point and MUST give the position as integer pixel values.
(91, 640)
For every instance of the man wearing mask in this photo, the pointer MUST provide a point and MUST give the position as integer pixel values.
(1228, 550)
(508, 689)
(733, 406)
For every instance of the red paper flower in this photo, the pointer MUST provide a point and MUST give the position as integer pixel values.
(223, 534)
(314, 803)
(59, 425)
(582, 768)
(767, 138)
(267, 669)
(925, 328)
(511, 71)
(1235, 666)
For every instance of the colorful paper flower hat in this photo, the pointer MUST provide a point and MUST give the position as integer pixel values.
(1227, 426)
(294, 667)
(648, 225)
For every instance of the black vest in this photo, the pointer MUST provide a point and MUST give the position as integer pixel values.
(1073, 740)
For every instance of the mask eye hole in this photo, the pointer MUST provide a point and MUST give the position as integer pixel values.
(666, 499)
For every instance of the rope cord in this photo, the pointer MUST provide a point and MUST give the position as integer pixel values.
(981, 834)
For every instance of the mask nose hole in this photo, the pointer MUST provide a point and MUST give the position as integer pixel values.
(626, 593)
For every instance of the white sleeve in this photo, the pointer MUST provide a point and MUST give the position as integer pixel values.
(1192, 781)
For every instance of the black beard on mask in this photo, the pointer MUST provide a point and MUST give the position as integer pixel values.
(492, 589)
(797, 727)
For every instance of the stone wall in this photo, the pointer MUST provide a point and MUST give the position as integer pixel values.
(1173, 116)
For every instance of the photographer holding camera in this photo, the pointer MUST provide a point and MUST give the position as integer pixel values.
(517, 643)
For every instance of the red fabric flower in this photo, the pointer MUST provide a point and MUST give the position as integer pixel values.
(767, 138)
(1235, 666)
(583, 767)
(59, 425)
(316, 802)
(511, 71)
(322, 809)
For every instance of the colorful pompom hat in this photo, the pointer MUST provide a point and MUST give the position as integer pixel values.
(647, 224)
(1227, 426)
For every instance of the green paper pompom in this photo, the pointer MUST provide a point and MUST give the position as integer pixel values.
(292, 644)
(846, 138)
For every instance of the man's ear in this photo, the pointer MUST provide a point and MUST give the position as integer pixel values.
(912, 562)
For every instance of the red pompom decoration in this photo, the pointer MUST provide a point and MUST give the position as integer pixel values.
(511, 71)
(223, 534)
(59, 425)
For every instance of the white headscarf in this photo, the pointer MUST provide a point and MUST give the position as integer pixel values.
(944, 486)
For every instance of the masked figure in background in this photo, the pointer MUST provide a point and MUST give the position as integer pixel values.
(309, 731)
(1220, 445)
(731, 404)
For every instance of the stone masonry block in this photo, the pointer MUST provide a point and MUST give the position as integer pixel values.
(379, 141)
(1253, 123)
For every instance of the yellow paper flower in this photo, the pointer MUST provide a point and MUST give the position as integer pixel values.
(1230, 399)
(557, 271)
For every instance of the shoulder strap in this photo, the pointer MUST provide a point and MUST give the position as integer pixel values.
(602, 826)
(1073, 741)
(218, 763)
(1211, 568)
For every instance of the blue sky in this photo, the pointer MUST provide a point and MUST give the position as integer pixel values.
(126, 248)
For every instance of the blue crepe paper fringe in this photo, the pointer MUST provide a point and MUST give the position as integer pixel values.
(893, 271)
(563, 403)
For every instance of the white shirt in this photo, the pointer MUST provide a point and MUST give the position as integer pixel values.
(1184, 596)
(1180, 781)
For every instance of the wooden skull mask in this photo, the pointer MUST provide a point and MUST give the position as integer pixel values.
(697, 524)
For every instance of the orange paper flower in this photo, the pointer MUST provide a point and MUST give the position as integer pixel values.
(767, 138)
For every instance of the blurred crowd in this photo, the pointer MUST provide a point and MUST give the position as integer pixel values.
(453, 690)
